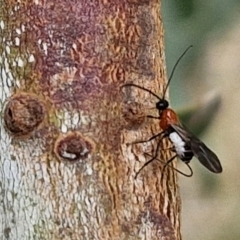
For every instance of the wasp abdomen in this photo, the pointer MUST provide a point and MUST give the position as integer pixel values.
(180, 147)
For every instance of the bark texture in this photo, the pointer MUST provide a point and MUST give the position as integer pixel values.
(66, 171)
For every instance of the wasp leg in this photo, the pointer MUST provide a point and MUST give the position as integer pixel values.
(148, 140)
(153, 158)
(166, 164)
(175, 169)
(150, 116)
(182, 173)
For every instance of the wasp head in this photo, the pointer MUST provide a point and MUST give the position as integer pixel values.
(162, 104)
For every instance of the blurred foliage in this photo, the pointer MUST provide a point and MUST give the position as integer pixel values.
(190, 22)
(199, 115)
(196, 22)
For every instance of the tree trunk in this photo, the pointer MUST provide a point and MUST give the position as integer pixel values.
(67, 171)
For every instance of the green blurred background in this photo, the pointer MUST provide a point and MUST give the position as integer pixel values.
(205, 90)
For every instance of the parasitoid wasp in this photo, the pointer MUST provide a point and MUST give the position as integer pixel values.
(185, 144)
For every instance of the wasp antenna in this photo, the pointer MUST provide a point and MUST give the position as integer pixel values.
(142, 88)
(173, 70)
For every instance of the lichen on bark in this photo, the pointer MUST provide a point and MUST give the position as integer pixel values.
(72, 175)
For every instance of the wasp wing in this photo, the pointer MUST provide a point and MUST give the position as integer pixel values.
(206, 157)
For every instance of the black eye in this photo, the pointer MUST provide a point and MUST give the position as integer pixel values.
(162, 104)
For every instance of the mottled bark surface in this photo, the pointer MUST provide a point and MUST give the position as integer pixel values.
(66, 171)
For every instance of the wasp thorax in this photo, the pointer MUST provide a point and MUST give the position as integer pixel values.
(162, 104)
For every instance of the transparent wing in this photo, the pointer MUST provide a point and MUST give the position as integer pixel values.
(206, 157)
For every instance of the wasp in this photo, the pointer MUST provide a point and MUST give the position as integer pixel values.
(185, 144)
